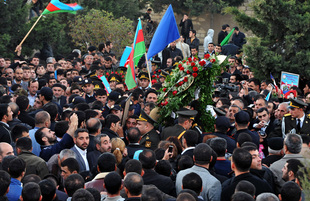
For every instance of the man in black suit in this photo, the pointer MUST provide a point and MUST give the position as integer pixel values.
(264, 126)
(58, 97)
(241, 164)
(163, 183)
(189, 141)
(133, 184)
(6, 115)
(133, 137)
(102, 144)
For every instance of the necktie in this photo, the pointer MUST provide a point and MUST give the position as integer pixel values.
(298, 126)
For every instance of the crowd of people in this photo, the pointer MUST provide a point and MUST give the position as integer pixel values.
(65, 136)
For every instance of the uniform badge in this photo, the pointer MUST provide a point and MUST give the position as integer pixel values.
(147, 138)
(148, 144)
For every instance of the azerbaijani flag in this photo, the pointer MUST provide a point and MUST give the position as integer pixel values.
(55, 6)
(139, 45)
(137, 51)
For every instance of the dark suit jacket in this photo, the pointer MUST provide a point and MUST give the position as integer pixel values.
(132, 148)
(228, 187)
(79, 159)
(109, 132)
(5, 134)
(26, 118)
(163, 183)
(93, 158)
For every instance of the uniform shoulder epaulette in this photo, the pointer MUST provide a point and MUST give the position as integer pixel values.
(287, 115)
(308, 116)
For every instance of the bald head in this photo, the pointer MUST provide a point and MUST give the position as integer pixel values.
(15, 109)
(42, 118)
(5, 150)
(94, 126)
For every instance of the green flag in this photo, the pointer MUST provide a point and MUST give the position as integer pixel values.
(226, 39)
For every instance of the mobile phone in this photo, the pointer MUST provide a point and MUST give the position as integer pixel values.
(170, 148)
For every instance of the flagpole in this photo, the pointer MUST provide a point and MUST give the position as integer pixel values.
(147, 66)
(20, 44)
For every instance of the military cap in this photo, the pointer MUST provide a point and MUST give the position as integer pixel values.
(187, 113)
(242, 117)
(114, 78)
(295, 103)
(219, 112)
(275, 143)
(116, 107)
(144, 117)
(156, 61)
(76, 100)
(143, 75)
(78, 79)
(87, 81)
(222, 122)
(114, 96)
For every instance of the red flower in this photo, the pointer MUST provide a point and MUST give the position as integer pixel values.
(183, 61)
(189, 59)
(195, 59)
(159, 70)
(180, 65)
(180, 83)
(166, 102)
(192, 64)
(154, 81)
(202, 63)
(188, 72)
(174, 92)
(157, 76)
(123, 76)
(164, 89)
(195, 68)
(212, 60)
(185, 79)
(116, 73)
(176, 85)
(153, 76)
(207, 56)
(195, 74)
(182, 68)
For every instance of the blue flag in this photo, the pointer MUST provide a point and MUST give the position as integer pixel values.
(125, 56)
(166, 32)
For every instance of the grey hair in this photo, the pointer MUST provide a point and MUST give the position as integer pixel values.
(272, 151)
(293, 143)
(267, 197)
(97, 138)
(286, 106)
(67, 153)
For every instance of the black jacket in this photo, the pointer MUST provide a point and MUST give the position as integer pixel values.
(163, 183)
(5, 134)
(228, 187)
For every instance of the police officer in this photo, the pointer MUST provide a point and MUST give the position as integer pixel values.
(296, 121)
(185, 121)
(150, 138)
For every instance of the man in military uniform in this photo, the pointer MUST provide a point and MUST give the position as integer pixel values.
(113, 79)
(296, 121)
(150, 138)
(185, 121)
(144, 81)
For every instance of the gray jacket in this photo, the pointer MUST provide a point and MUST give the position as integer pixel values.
(211, 187)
